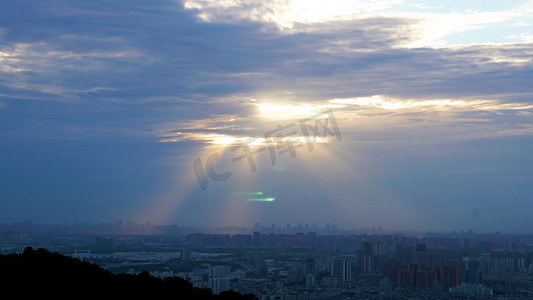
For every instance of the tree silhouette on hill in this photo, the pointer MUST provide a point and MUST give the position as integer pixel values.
(41, 272)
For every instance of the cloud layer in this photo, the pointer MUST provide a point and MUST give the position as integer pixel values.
(435, 114)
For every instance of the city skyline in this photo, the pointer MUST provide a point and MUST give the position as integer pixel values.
(388, 114)
(147, 228)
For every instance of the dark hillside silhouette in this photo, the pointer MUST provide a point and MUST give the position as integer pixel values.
(41, 272)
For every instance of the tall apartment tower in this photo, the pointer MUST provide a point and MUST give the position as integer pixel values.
(341, 269)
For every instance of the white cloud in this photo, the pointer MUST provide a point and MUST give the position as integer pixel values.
(387, 103)
(35, 67)
(286, 13)
(42, 57)
(385, 118)
(425, 29)
(422, 6)
(520, 24)
(431, 28)
(523, 37)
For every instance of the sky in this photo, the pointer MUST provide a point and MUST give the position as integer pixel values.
(404, 115)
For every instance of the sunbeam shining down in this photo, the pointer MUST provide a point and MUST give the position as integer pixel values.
(281, 149)
(365, 113)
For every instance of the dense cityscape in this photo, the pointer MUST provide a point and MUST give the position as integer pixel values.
(299, 262)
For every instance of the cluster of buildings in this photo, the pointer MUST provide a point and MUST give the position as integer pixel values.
(277, 264)
(386, 263)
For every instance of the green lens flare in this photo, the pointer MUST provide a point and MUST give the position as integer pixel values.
(262, 199)
(251, 194)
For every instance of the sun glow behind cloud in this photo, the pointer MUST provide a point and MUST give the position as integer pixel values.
(220, 141)
(386, 103)
(216, 135)
(276, 111)
(230, 143)
(381, 114)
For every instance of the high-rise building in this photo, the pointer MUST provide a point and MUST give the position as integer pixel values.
(425, 277)
(256, 239)
(405, 278)
(423, 259)
(377, 262)
(403, 255)
(367, 248)
(310, 267)
(185, 254)
(309, 280)
(219, 271)
(448, 276)
(378, 248)
(390, 269)
(297, 272)
(367, 263)
(341, 269)
(412, 267)
(436, 258)
(218, 285)
(312, 240)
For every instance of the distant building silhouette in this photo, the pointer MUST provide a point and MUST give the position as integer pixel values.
(341, 271)
(218, 285)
